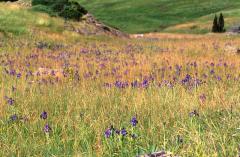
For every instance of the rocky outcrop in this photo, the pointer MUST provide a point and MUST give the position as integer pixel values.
(90, 26)
(87, 26)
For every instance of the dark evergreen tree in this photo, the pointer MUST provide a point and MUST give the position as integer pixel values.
(215, 27)
(221, 23)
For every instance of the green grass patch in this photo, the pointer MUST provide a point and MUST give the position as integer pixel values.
(154, 15)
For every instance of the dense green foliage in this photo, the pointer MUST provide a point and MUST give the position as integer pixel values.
(64, 8)
(157, 15)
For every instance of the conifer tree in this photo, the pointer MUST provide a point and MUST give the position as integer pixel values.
(221, 23)
(215, 27)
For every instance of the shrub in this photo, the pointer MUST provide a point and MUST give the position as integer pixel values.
(64, 8)
(73, 11)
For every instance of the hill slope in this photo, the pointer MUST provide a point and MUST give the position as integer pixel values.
(19, 19)
(161, 15)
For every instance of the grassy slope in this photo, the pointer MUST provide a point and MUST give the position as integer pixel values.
(155, 15)
(80, 111)
(11, 23)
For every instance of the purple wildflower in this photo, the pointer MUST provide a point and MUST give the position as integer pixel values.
(43, 115)
(47, 128)
(13, 117)
(218, 78)
(10, 101)
(134, 121)
(186, 79)
(212, 72)
(12, 72)
(19, 75)
(145, 83)
(108, 133)
(123, 132)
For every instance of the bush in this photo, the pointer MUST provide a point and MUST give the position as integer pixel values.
(73, 11)
(64, 8)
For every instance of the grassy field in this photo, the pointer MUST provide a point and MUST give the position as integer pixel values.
(185, 96)
(158, 15)
(63, 94)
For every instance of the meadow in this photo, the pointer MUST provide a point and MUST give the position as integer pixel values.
(65, 94)
(124, 97)
(185, 16)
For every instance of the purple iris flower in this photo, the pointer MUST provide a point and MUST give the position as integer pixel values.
(13, 117)
(134, 121)
(43, 115)
(145, 83)
(108, 133)
(186, 79)
(47, 128)
(10, 101)
(123, 132)
(212, 72)
(19, 75)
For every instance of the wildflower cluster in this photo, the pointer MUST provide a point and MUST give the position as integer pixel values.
(111, 131)
(46, 128)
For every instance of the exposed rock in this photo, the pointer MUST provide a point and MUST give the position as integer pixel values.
(90, 26)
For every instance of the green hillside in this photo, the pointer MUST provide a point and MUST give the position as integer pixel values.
(139, 16)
